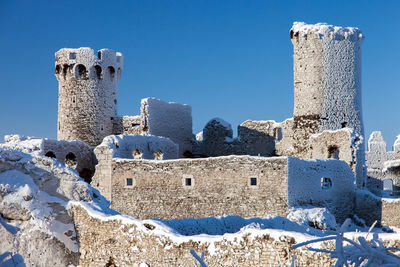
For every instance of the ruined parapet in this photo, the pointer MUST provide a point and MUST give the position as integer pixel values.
(159, 118)
(327, 81)
(216, 139)
(87, 99)
(259, 137)
(382, 164)
(127, 125)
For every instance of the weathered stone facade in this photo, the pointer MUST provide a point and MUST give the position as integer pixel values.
(87, 99)
(232, 185)
(129, 244)
(373, 208)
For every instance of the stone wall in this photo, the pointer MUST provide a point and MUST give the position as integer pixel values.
(130, 147)
(322, 183)
(129, 243)
(247, 186)
(372, 208)
(127, 125)
(87, 99)
(218, 186)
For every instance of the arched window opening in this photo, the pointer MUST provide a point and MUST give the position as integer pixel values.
(99, 54)
(119, 73)
(137, 154)
(50, 154)
(333, 152)
(58, 69)
(99, 72)
(70, 160)
(80, 71)
(111, 70)
(158, 155)
(86, 174)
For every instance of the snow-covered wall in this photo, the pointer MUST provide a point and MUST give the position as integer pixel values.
(87, 98)
(324, 183)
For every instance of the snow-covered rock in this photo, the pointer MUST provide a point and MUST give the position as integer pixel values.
(34, 221)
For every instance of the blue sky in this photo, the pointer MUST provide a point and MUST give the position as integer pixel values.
(228, 59)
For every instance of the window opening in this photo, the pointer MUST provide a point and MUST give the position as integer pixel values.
(253, 181)
(326, 183)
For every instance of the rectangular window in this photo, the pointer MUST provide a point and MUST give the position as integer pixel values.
(253, 181)
(188, 181)
(129, 182)
(72, 55)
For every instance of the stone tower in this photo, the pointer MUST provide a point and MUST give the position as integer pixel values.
(327, 85)
(327, 76)
(87, 97)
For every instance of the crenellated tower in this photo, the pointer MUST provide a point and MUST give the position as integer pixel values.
(87, 97)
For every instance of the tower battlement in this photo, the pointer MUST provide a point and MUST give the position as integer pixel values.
(87, 99)
(83, 63)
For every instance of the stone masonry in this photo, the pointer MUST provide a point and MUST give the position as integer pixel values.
(87, 100)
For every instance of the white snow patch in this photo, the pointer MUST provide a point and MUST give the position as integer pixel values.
(316, 217)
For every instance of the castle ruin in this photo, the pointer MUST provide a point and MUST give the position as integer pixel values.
(152, 165)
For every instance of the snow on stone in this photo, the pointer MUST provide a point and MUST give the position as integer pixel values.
(320, 218)
(325, 30)
(123, 145)
(391, 164)
(35, 190)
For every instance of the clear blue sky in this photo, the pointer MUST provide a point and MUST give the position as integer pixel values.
(228, 59)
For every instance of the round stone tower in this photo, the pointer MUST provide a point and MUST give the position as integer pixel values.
(327, 77)
(327, 87)
(87, 97)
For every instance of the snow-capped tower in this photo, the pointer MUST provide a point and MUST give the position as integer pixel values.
(327, 81)
(327, 75)
(87, 97)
